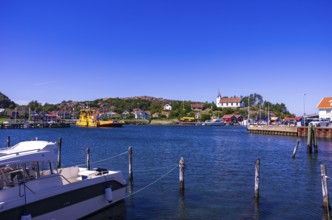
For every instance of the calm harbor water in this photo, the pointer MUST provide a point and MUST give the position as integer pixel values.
(219, 174)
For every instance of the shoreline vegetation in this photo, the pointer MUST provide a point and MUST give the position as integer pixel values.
(164, 122)
(135, 110)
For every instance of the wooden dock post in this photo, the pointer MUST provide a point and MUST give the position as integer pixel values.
(8, 141)
(88, 158)
(181, 175)
(257, 178)
(295, 148)
(314, 137)
(309, 138)
(59, 152)
(325, 191)
(130, 158)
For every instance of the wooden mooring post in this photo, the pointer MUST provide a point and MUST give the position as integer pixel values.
(309, 138)
(8, 141)
(181, 175)
(325, 191)
(314, 137)
(130, 160)
(88, 158)
(59, 152)
(257, 178)
(295, 148)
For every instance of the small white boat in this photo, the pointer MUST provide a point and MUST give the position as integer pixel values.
(214, 122)
(32, 188)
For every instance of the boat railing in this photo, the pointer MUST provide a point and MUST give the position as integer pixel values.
(65, 178)
(19, 152)
(55, 175)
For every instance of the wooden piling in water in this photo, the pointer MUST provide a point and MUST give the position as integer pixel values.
(314, 137)
(325, 191)
(88, 158)
(59, 152)
(295, 148)
(8, 141)
(257, 177)
(130, 158)
(181, 175)
(309, 138)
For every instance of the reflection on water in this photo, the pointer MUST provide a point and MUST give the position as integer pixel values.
(115, 212)
(219, 173)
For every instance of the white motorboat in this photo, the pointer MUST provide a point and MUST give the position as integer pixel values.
(32, 188)
(214, 122)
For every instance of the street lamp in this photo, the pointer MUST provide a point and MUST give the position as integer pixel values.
(304, 108)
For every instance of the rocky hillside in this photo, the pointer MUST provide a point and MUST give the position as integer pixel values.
(5, 102)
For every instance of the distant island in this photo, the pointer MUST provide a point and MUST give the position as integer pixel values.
(147, 108)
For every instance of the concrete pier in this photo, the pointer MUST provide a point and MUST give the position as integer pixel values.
(321, 132)
(272, 129)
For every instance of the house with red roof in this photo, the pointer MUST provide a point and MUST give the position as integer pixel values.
(197, 107)
(232, 119)
(51, 117)
(225, 102)
(325, 108)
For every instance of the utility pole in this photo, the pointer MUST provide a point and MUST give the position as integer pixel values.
(268, 113)
(304, 108)
(248, 108)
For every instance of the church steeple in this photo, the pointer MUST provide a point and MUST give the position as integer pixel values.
(218, 99)
(218, 95)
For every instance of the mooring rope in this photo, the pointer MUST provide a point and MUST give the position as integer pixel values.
(153, 169)
(150, 184)
(99, 161)
(327, 177)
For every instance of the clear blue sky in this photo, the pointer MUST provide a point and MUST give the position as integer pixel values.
(58, 50)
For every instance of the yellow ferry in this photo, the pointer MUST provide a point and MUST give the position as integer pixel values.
(88, 118)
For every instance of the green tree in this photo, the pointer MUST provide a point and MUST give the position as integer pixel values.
(35, 106)
(254, 100)
(49, 107)
(227, 111)
(174, 114)
(155, 107)
(205, 117)
(5, 102)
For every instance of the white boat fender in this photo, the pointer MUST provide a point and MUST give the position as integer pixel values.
(26, 216)
(108, 194)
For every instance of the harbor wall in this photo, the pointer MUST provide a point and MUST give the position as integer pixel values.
(33, 125)
(322, 132)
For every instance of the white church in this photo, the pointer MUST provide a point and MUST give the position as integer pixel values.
(225, 102)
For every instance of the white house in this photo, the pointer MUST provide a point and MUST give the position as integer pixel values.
(139, 114)
(325, 108)
(228, 102)
(167, 107)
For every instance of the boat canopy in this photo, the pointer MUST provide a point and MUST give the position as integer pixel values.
(28, 151)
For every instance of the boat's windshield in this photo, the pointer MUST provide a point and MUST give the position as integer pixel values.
(15, 173)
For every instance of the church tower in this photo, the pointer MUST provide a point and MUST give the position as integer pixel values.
(218, 100)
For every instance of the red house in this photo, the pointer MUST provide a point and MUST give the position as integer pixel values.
(197, 107)
(232, 119)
